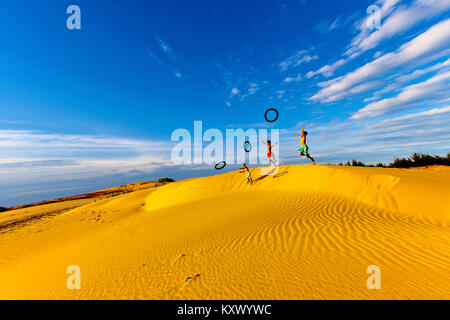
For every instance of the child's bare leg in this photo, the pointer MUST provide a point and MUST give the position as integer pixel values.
(311, 158)
(274, 160)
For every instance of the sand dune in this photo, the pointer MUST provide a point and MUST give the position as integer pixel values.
(308, 232)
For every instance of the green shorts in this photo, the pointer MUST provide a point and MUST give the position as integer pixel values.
(303, 150)
(249, 176)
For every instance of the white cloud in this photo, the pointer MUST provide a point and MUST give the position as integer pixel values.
(399, 81)
(298, 58)
(291, 79)
(377, 54)
(326, 26)
(30, 156)
(166, 48)
(401, 20)
(162, 58)
(234, 92)
(387, 7)
(355, 90)
(432, 89)
(327, 70)
(373, 140)
(253, 88)
(428, 45)
(154, 57)
(432, 112)
(418, 73)
(395, 21)
(25, 145)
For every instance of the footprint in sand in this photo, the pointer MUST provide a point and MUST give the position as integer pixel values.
(193, 278)
(178, 259)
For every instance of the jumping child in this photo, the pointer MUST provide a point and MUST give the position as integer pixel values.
(303, 151)
(270, 154)
(248, 174)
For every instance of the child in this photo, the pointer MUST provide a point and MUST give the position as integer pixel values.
(270, 154)
(248, 174)
(303, 151)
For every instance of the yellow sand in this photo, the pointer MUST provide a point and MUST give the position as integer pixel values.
(308, 232)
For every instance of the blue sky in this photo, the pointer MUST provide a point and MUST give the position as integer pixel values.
(92, 108)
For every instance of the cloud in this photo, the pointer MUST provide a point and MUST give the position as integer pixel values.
(327, 70)
(166, 48)
(429, 45)
(418, 73)
(240, 81)
(234, 92)
(25, 145)
(373, 140)
(154, 57)
(290, 79)
(396, 20)
(387, 7)
(326, 26)
(168, 58)
(432, 90)
(413, 116)
(401, 20)
(38, 164)
(295, 60)
(399, 81)
(253, 88)
(52, 159)
(354, 90)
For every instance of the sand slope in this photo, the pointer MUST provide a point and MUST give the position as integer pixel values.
(308, 232)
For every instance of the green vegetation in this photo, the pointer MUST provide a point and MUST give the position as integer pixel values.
(416, 160)
(165, 180)
(3, 209)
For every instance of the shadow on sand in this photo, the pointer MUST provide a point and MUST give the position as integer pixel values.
(271, 173)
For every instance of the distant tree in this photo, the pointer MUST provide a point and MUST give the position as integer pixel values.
(416, 160)
(357, 164)
(420, 160)
(3, 209)
(165, 180)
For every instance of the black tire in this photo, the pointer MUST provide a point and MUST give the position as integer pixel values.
(271, 109)
(223, 166)
(250, 145)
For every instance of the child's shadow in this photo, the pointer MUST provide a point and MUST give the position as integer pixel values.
(280, 174)
(260, 178)
(269, 174)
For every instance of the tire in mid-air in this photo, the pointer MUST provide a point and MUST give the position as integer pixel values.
(249, 148)
(220, 165)
(276, 117)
